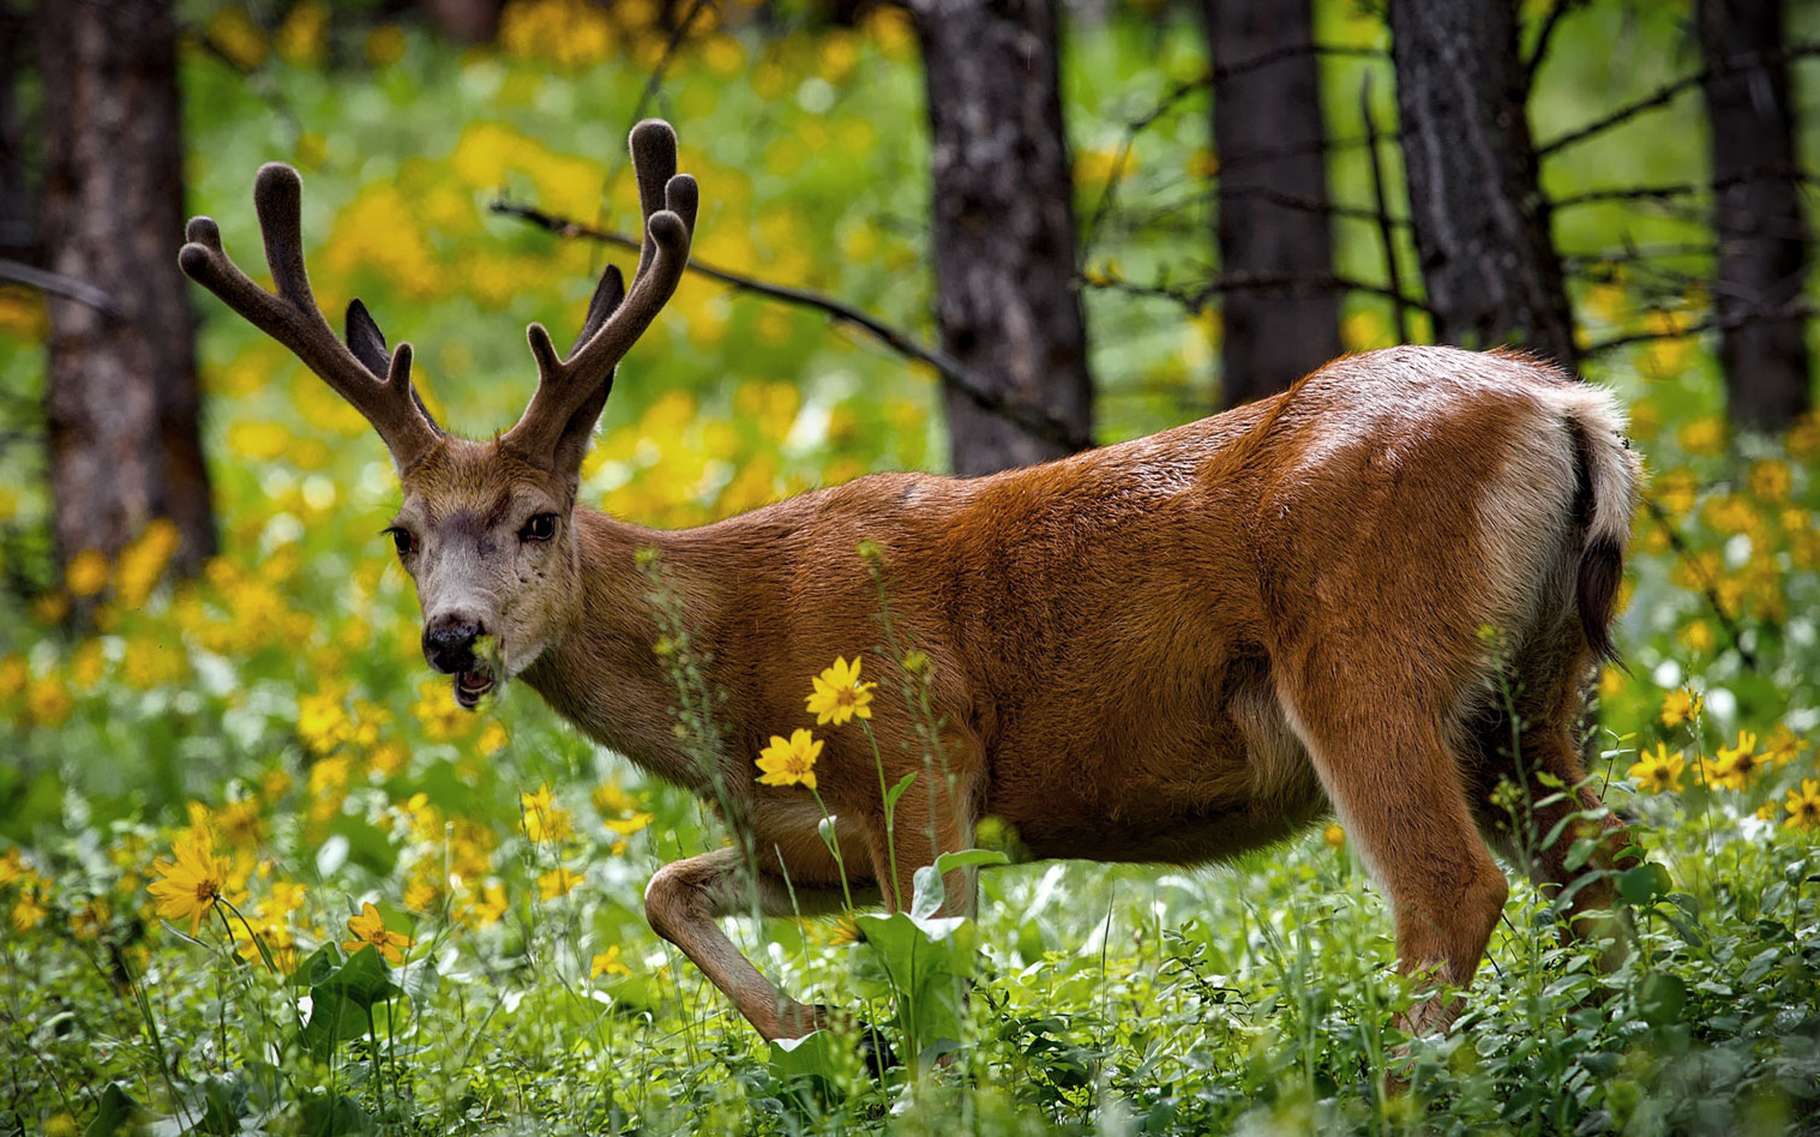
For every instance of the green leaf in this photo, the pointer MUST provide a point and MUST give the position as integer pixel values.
(363, 980)
(970, 858)
(1644, 883)
(929, 895)
(319, 966)
(1661, 999)
(929, 962)
(897, 791)
(118, 1114)
(811, 1056)
(337, 1115)
(334, 1018)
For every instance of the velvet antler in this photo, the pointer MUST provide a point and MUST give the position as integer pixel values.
(290, 316)
(570, 392)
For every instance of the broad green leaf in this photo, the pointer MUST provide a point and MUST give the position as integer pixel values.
(1644, 883)
(117, 1114)
(970, 858)
(325, 1115)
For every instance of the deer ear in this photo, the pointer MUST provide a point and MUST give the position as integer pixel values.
(573, 445)
(367, 343)
(607, 297)
(365, 339)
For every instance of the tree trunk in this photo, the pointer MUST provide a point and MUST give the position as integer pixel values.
(465, 21)
(1002, 217)
(1481, 223)
(1763, 236)
(1270, 338)
(121, 396)
(17, 232)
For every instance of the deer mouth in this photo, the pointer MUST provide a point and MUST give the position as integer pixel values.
(473, 686)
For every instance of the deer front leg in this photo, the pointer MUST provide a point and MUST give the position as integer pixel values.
(684, 903)
(920, 835)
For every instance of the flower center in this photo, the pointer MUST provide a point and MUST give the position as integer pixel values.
(207, 889)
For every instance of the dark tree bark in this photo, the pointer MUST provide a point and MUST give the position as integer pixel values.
(1763, 235)
(1002, 219)
(121, 398)
(1481, 223)
(1270, 338)
(465, 21)
(17, 229)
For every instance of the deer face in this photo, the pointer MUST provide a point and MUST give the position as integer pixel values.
(486, 529)
(490, 540)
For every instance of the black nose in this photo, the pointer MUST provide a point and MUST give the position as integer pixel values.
(448, 642)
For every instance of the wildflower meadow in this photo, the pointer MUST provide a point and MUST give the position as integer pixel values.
(261, 873)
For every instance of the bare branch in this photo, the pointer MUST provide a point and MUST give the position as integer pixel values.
(1196, 298)
(1182, 90)
(57, 284)
(1798, 310)
(1539, 52)
(1668, 92)
(1034, 419)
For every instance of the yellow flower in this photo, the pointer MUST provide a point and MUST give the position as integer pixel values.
(792, 762)
(29, 911)
(492, 739)
(86, 574)
(1770, 479)
(1334, 836)
(1659, 772)
(1804, 806)
(1781, 748)
(192, 883)
(368, 929)
(1734, 766)
(544, 820)
(1679, 706)
(557, 883)
(48, 701)
(608, 963)
(486, 908)
(839, 695)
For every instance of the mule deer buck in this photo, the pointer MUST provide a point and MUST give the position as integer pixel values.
(1168, 650)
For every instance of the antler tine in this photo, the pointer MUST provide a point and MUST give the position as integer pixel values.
(292, 318)
(653, 146)
(670, 201)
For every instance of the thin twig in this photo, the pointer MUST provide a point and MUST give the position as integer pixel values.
(1626, 193)
(1668, 92)
(1794, 310)
(1539, 52)
(1033, 419)
(57, 284)
(1194, 299)
(1386, 232)
(1182, 90)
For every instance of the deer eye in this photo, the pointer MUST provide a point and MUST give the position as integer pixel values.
(541, 527)
(401, 539)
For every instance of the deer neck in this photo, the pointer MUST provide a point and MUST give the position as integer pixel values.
(603, 672)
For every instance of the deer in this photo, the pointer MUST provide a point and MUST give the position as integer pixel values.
(1376, 596)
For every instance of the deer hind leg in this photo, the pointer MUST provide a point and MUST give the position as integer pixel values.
(1395, 783)
(1543, 742)
(684, 903)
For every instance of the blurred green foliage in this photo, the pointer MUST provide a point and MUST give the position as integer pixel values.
(278, 706)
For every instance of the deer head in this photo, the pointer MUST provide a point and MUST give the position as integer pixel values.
(486, 529)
